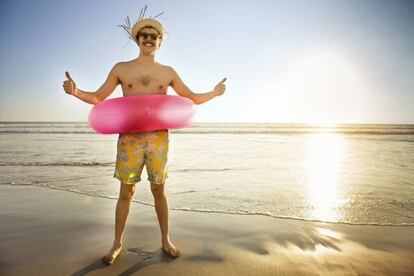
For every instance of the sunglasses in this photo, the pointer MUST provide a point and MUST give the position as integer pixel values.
(150, 35)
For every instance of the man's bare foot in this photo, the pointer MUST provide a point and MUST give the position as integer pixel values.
(169, 249)
(112, 255)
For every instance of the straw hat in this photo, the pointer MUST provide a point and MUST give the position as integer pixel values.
(142, 23)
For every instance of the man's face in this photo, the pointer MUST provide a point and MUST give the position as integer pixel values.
(149, 40)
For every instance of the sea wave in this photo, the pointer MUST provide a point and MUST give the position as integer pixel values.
(214, 211)
(217, 128)
(30, 131)
(55, 164)
(106, 164)
(231, 131)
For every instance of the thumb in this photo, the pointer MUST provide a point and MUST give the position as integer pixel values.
(223, 80)
(68, 76)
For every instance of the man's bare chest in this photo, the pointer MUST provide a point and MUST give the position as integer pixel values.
(150, 80)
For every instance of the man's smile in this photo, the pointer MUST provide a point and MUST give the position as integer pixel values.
(148, 44)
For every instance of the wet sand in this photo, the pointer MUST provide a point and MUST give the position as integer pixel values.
(54, 232)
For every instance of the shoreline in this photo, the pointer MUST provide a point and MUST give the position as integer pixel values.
(53, 232)
(217, 211)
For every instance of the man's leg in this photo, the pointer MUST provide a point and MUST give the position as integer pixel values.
(161, 207)
(122, 210)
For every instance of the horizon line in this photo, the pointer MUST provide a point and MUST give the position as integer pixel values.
(239, 122)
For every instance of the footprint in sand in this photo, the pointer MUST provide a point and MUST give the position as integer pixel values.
(142, 254)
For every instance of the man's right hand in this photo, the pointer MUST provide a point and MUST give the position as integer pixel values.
(69, 85)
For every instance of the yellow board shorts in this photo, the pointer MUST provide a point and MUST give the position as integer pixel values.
(139, 149)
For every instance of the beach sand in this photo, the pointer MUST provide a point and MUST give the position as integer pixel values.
(54, 232)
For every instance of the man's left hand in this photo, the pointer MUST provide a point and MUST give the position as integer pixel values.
(220, 87)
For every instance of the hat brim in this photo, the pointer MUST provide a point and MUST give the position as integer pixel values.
(147, 22)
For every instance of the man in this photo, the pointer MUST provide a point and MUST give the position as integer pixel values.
(142, 76)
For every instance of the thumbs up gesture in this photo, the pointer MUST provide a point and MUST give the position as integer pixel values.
(69, 85)
(220, 87)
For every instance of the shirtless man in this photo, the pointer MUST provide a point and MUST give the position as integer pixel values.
(142, 75)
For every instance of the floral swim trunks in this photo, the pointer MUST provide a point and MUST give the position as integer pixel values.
(136, 150)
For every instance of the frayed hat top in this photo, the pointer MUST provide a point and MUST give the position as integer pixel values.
(142, 23)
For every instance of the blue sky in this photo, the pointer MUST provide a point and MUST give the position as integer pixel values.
(285, 61)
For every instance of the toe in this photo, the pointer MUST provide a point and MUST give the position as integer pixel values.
(170, 252)
(110, 258)
(176, 252)
(107, 260)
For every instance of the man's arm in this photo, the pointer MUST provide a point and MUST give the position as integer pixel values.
(198, 98)
(94, 97)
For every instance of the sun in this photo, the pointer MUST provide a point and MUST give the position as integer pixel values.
(321, 87)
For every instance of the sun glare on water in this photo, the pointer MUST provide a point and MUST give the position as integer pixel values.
(323, 161)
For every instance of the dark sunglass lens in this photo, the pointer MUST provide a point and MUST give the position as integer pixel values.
(146, 36)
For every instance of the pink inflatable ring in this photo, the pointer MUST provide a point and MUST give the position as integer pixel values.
(141, 113)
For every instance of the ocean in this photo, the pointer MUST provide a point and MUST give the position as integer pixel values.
(352, 174)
